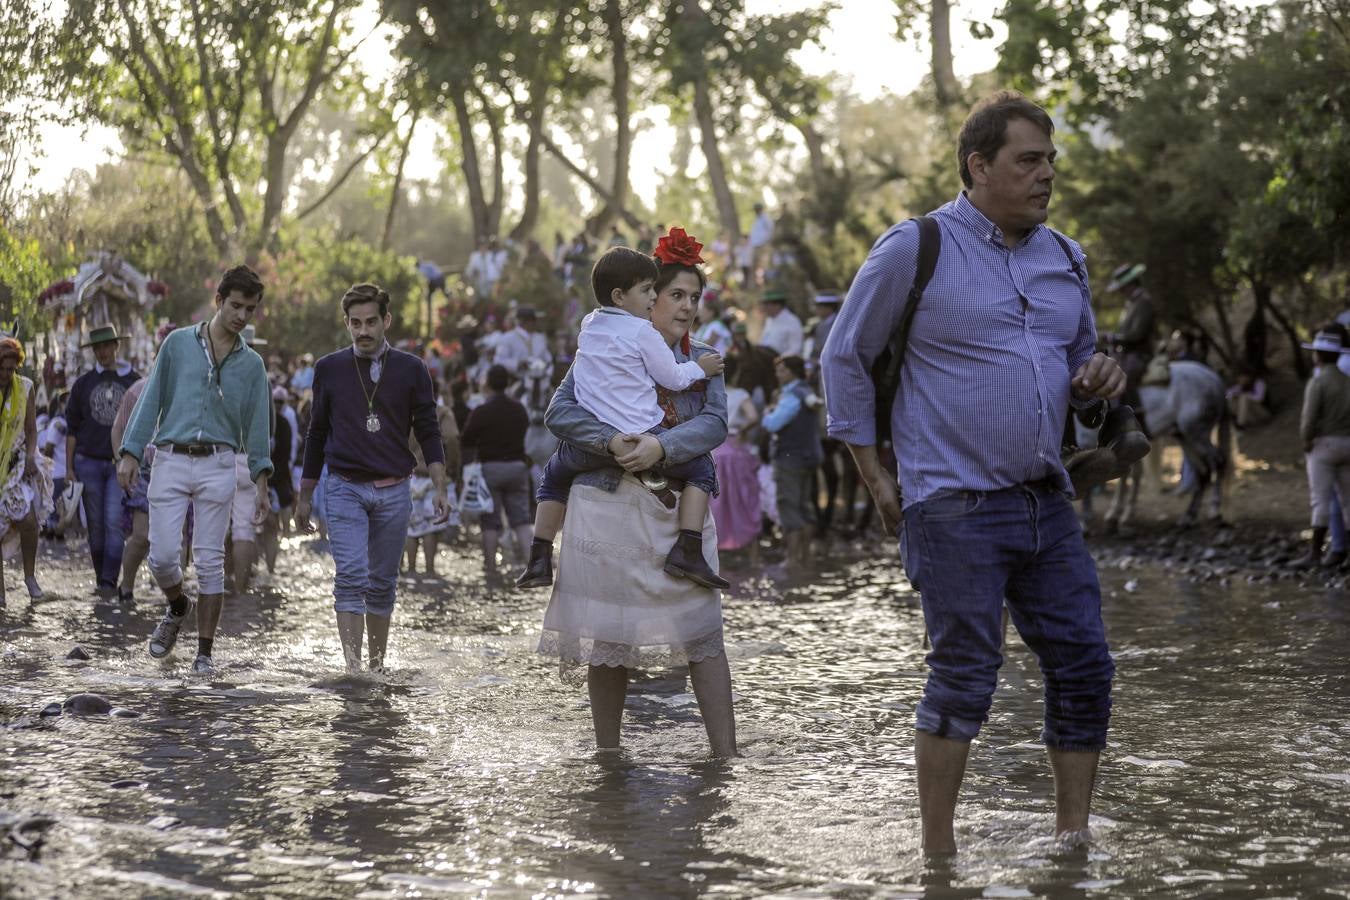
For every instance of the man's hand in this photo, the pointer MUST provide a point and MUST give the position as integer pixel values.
(303, 507)
(711, 364)
(262, 504)
(441, 503)
(1098, 379)
(645, 454)
(128, 471)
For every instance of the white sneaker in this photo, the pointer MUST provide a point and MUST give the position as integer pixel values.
(203, 665)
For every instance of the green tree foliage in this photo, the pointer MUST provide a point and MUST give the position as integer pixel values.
(306, 278)
(223, 89)
(24, 273)
(1203, 143)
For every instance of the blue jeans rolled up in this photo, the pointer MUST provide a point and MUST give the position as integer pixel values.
(367, 526)
(970, 552)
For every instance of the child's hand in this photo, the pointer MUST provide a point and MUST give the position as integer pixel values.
(813, 401)
(712, 364)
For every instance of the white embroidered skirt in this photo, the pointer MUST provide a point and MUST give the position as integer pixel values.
(613, 604)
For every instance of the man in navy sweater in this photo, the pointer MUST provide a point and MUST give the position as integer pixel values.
(367, 399)
(94, 400)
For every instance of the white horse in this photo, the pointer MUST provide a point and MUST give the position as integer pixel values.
(1189, 408)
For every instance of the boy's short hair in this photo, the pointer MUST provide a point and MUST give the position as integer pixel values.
(241, 279)
(620, 268)
(794, 364)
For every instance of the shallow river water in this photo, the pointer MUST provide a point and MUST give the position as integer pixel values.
(469, 770)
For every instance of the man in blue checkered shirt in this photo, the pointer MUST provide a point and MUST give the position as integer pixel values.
(1002, 344)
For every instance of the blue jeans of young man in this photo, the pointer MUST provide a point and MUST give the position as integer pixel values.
(967, 552)
(569, 461)
(367, 526)
(102, 500)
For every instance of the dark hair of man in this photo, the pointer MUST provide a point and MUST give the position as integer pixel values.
(986, 128)
(241, 279)
(669, 271)
(365, 293)
(794, 364)
(619, 268)
(498, 378)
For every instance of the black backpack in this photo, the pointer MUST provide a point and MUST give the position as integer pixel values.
(886, 367)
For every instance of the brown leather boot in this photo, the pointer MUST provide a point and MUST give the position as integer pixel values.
(686, 561)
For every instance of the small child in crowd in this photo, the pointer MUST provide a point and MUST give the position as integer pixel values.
(620, 358)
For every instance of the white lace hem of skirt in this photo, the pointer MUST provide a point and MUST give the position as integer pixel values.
(572, 651)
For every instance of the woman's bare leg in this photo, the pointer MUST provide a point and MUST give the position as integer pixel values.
(429, 545)
(608, 688)
(28, 543)
(711, 679)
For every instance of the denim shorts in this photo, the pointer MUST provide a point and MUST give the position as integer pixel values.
(970, 552)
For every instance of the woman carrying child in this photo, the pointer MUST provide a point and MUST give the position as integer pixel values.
(614, 605)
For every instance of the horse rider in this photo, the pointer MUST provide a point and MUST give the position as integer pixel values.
(1132, 342)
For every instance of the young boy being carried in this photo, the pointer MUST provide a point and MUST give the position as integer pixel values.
(620, 359)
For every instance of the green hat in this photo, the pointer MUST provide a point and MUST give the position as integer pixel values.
(1126, 274)
(103, 334)
(774, 296)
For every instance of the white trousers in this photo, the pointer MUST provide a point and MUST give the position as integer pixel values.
(207, 483)
(245, 502)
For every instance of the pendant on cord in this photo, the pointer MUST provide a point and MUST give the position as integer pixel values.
(372, 423)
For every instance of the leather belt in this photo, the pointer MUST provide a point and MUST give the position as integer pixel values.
(196, 449)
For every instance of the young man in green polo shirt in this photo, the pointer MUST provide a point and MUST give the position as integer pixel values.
(206, 400)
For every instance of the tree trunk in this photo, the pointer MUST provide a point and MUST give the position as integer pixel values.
(274, 198)
(469, 164)
(1301, 364)
(623, 138)
(529, 215)
(712, 154)
(398, 180)
(1254, 335)
(944, 75)
(494, 206)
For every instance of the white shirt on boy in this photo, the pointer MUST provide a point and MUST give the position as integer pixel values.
(620, 360)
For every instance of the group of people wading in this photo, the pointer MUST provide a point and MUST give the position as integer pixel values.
(1001, 348)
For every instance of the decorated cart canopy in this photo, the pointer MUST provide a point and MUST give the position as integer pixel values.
(107, 290)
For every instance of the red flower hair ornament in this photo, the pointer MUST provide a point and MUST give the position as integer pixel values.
(678, 248)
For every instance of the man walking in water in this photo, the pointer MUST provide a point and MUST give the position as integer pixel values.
(367, 399)
(207, 399)
(1001, 345)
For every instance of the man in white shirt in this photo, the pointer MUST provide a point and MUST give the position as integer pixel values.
(782, 329)
(520, 346)
(479, 270)
(620, 360)
(761, 233)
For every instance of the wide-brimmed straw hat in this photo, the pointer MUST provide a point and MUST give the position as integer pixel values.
(1326, 341)
(104, 334)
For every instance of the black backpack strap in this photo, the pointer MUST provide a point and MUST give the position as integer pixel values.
(930, 248)
(1073, 260)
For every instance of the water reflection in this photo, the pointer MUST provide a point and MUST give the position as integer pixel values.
(469, 770)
